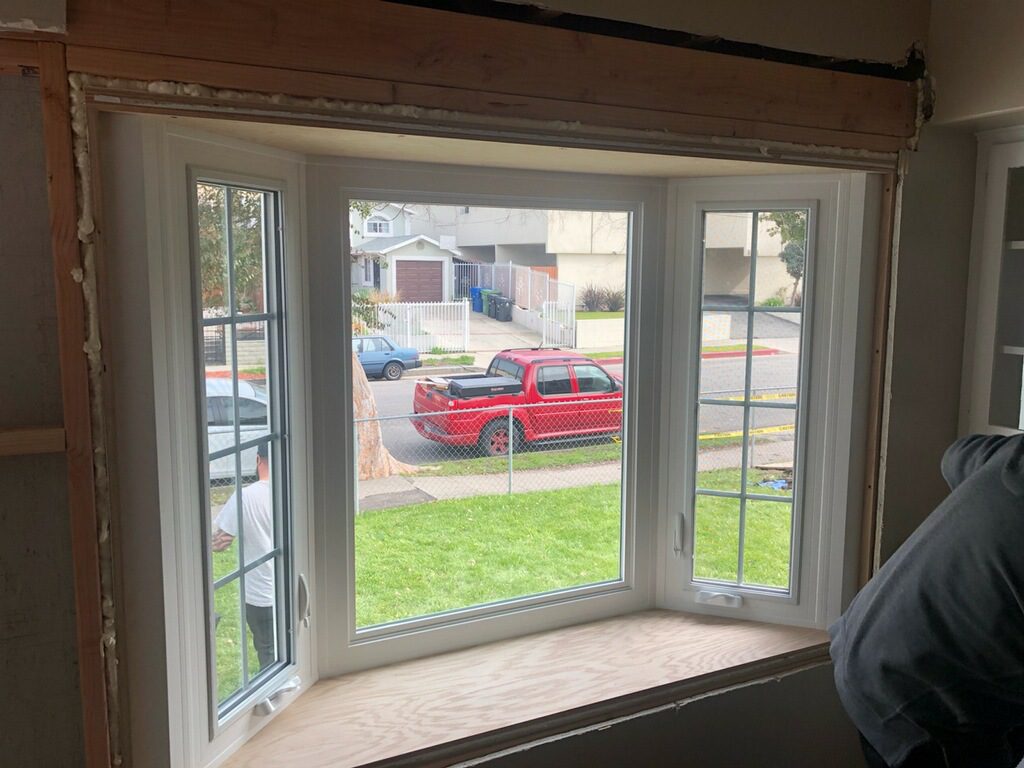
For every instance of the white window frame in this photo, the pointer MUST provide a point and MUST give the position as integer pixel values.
(833, 323)
(664, 292)
(171, 162)
(343, 648)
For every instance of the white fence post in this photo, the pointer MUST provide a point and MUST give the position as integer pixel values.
(465, 325)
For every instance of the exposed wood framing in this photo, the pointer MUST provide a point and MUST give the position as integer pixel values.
(22, 441)
(156, 67)
(71, 334)
(18, 53)
(877, 384)
(477, 63)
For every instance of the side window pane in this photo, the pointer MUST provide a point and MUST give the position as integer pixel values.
(242, 322)
(590, 378)
(748, 458)
(554, 380)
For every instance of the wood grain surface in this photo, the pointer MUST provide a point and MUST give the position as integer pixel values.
(429, 47)
(629, 662)
(74, 374)
(22, 441)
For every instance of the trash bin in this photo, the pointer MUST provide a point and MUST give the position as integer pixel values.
(476, 298)
(502, 308)
(485, 296)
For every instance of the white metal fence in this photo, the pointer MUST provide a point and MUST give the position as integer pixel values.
(558, 325)
(441, 326)
(551, 304)
(528, 288)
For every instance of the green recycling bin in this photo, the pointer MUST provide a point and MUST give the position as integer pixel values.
(485, 295)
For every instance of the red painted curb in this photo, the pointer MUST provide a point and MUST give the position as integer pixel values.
(739, 353)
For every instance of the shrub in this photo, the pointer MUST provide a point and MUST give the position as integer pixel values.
(772, 301)
(592, 298)
(614, 299)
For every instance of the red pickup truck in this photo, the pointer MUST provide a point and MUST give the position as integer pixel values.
(552, 393)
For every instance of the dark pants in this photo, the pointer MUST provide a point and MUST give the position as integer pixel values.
(962, 751)
(261, 623)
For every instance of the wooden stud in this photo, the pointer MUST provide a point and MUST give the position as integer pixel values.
(71, 334)
(879, 348)
(23, 441)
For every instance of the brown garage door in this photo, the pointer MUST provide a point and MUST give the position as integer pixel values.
(419, 280)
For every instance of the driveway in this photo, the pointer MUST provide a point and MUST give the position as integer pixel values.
(489, 335)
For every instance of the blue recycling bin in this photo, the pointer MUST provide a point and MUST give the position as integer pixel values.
(477, 298)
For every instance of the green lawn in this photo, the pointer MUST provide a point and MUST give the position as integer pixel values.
(534, 459)
(599, 315)
(441, 555)
(228, 636)
(449, 360)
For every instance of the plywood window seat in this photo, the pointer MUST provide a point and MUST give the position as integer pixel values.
(459, 705)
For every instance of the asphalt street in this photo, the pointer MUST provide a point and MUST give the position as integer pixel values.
(773, 380)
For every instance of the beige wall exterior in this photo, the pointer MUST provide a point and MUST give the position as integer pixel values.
(605, 270)
(587, 232)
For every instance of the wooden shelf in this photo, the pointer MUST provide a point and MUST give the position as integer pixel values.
(440, 710)
(29, 440)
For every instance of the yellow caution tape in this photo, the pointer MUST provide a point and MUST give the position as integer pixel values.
(758, 431)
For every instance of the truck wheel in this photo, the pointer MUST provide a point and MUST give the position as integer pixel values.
(494, 438)
(392, 371)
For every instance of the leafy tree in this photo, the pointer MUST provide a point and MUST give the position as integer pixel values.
(791, 227)
(247, 217)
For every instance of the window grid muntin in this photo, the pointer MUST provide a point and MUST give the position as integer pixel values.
(275, 438)
(748, 404)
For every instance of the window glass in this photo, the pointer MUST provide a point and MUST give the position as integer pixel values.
(590, 378)
(748, 458)
(245, 509)
(372, 344)
(554, 380)
(502, 367)
(357, 345)
(463, 501)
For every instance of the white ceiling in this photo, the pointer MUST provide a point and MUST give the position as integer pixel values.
(411, 148)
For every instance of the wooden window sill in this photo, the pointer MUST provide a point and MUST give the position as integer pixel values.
(467, 703)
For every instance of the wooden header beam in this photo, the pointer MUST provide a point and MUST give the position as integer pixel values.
(368, 50)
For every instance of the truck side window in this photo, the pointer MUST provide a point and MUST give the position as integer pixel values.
(590, 378)
(554, 380)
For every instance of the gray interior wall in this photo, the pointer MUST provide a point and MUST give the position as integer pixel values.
(40, 715)
(796, 722)
(928, 329)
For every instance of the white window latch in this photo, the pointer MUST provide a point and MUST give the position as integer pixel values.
(269, 705)
(726, 599)
(305, 609)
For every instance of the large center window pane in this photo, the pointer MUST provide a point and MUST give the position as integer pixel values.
(488, 379)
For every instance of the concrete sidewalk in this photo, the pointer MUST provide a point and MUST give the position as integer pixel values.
(401, 490)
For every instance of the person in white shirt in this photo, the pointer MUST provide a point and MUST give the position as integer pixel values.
(257, 521)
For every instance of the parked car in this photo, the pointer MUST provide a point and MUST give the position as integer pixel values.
(554, 394)
(220, 425)
(380, 356)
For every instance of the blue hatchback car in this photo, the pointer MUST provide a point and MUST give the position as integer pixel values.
(380, 356)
